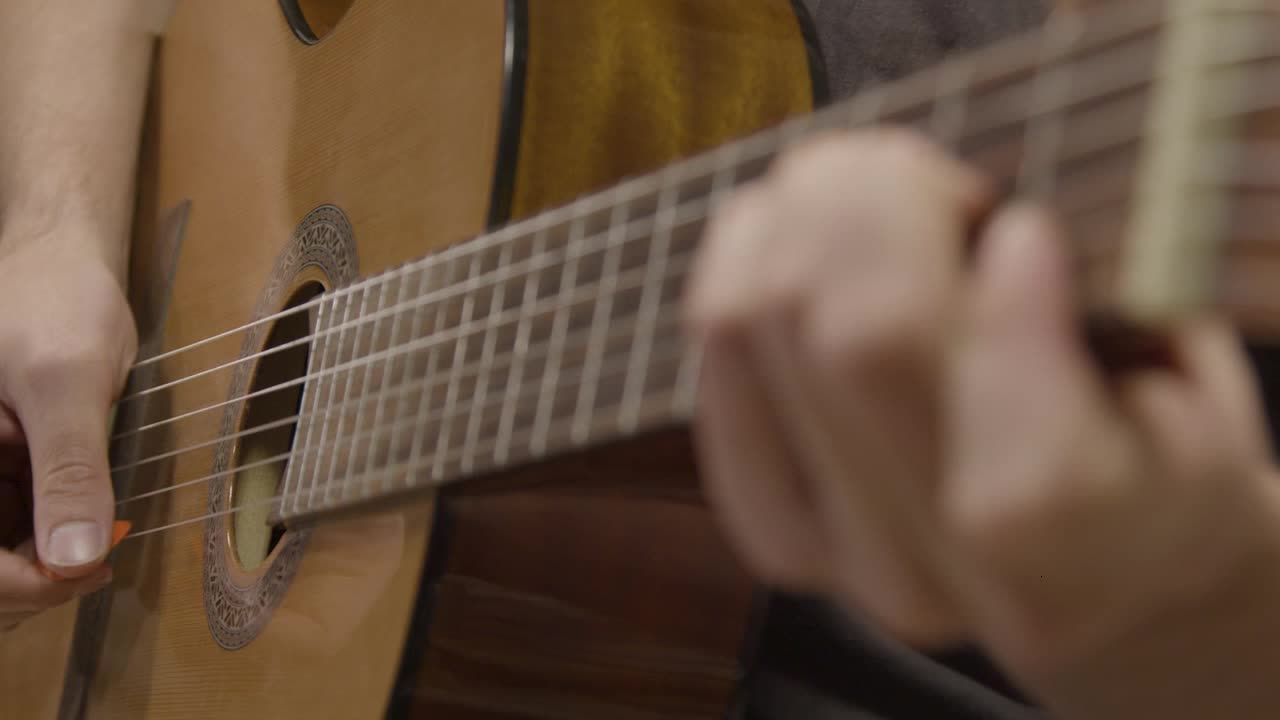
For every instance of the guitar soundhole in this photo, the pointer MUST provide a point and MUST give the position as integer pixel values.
(270, 422)
(248, 564)
(313, 20)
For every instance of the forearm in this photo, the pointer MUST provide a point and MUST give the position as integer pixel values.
(73, 78)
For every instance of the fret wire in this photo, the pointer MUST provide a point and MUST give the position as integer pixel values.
(562, 439)
(680, 265)
(1112, 25)
(617, 364)
(348, 377)
(868, 108)
(326, 496)
(286, 482)
(490, 338)
(416, 331)
(568, 279)
(386, 369)
(465, 250)
(638, 230)
(649, 305)
(600, 318)
(668, 318)
(684, 398)
(459, 356)
(790, 132)
(560, 429)
(1044, 131)
(516, 376)
(722, 184)
(432, 360)
(227, 402)
(324, 394)
(278, 500)
(950, 109)
(879, 94)
(315, 360)
(688, 212)
(365, 372)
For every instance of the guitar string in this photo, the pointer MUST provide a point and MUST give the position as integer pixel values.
(242, 507)
(688, 212)
(506, 275)
(609, 367)
(1116, 29)
(399, 391)
(556, 439)
(548, 259)
(573, 213)
(357, 340)
(684, 214)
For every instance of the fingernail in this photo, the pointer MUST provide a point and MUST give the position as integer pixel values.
(75, 543)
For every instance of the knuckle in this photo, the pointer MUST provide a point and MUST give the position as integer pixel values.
(740, 213)
(1007, 510)
(907, 151)
(821, 152)
(128, 338)
(727, 306)
(46, 365)
(883, 156)
(908, 161)
(70, 475)
(890, 333)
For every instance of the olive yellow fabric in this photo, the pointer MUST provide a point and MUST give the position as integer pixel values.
(619, 87)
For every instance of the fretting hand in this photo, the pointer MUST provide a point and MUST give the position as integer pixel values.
(926, 438)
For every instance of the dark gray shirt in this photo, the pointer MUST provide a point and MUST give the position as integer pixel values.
(865, 41)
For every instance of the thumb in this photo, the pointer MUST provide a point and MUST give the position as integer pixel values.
(65, 423)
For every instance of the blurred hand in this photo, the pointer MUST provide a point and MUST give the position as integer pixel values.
(67, 340)
(923, 435)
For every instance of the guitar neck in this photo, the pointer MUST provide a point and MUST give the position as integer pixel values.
(564, 330)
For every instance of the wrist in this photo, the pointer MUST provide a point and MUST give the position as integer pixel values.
(1207, 653)
(66, 233)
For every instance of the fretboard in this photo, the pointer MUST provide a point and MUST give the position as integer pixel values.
(501, 351)
(564, 330)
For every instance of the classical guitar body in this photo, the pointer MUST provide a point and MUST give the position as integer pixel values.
(291, 150)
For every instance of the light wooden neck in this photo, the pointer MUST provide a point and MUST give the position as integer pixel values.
(563, 330)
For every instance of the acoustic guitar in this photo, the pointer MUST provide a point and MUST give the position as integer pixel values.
(407, 435)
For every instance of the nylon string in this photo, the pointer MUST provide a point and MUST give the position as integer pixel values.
(752, 149)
